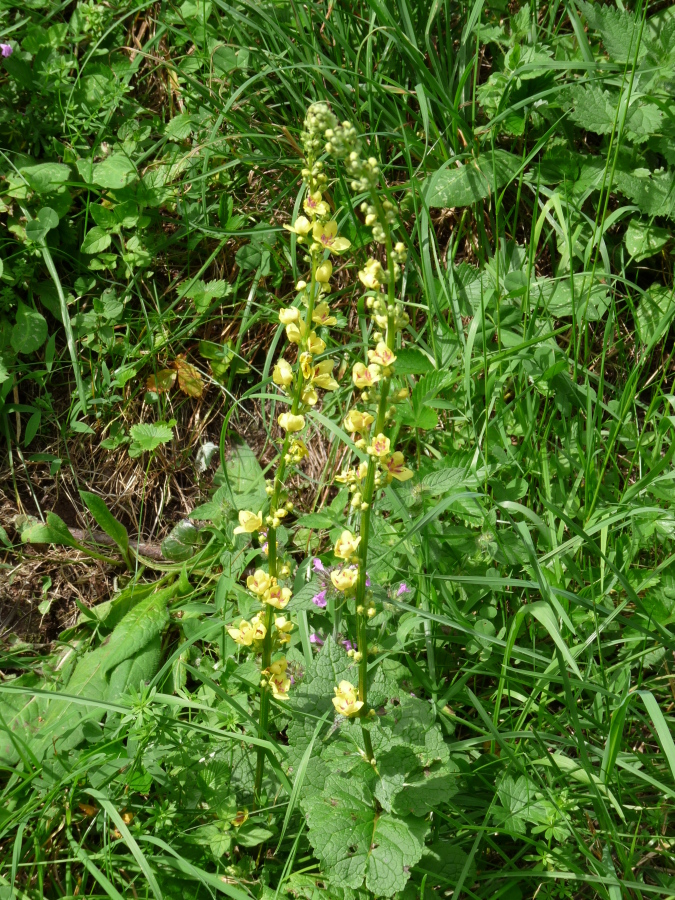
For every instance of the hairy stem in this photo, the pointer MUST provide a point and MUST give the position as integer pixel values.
(265, 691)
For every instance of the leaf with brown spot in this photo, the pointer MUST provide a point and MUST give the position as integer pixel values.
(189, 378)
(161, 382)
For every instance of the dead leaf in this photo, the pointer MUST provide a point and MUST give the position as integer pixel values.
(162, 382)
(87, 809)
(189, 378)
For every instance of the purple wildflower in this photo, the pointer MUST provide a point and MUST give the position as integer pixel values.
(402, 589)
(317, 565)
(320, 599)
(348, 645)
(367, 580)
(6, 50)
(315, 638)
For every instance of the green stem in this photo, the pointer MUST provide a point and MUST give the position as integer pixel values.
(265, 692)
(367, 497)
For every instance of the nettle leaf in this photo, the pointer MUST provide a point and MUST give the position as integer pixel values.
(652, 192)
(618, 29)
(30, 331)
(356, 843)
(593, 108)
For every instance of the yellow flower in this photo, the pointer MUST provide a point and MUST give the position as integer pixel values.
(282, 373)
(295, 332)
(379, 446)
(362, 471)
(327, 235)
(344, 579)
(258, 583)
(365, 376)
(346, 545)
(297, 450)
(321, 315)
(355, 420)
(284, 628)
(278, 667)
(301, 227)
(345, 701)
(309, 396)
(243, 635)
(249, 522)
(315, 345)
(315, 205)
(322, 377)
(395, 468)
(382, 355)
(289, 422)
(280, 685)
(289, 314)
(277, 597)
(372, 274)
(259, 627)
(306, 365)
(324, 271)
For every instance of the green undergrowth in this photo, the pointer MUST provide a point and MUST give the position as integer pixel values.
(523, 579)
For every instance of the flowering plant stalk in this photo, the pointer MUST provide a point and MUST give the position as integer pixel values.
(368, 421)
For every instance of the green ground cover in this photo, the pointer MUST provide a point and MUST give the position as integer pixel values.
(487, 710)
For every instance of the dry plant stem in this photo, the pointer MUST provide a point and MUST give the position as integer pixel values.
(272, 543)
(364, 525)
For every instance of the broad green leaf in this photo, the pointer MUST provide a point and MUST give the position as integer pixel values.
(46, 178)
(105, 520)
(115, 172)
(244, 478)
(412, 362)
(654, 313)
(644, 239)
(618, 29)
(357, 844)
(41, 225)
(445, 862)
(474, 180)
(96, 240)
(182, 543)
(55, 531)
(30, 331)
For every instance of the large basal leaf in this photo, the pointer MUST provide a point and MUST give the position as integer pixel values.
(644, 239)
(244, 478)
(472, 181)
(358, 844)
(129, 655)
(115, 172)
(46, 178)
(30, 331)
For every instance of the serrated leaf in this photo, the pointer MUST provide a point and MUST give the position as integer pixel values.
(444, 480)
(30, 331)
(202, 293)
(593, 108)
(161, 382)
(652, 192)
(425, 418)
(357, 844)
(618, 29)
(146, 437)
(412, 362)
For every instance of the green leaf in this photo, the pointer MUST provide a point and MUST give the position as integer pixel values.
(593, 108)
(445, 863)
(618, 29)
(115, 172)
(654, 313)
(244, 478)
(652, 192)
(202, 293)
(44, 221)
(55, 531)
(96, 240)
(108, 523)
(425, 418)
(30, 331)
(515, 796)
(356, 843)
(644, 239)
(182, 543)
(412, 362)
(454, 186)
(46, 178)
(147, 437)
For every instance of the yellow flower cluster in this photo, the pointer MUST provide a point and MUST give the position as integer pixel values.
(345, 700)
(267, 589)
(277, 678)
